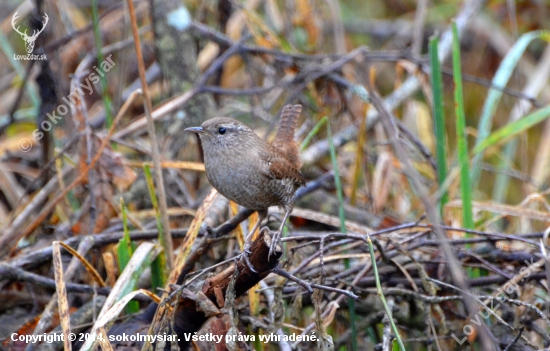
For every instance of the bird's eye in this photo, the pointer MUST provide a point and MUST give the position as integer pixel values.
(222, 130)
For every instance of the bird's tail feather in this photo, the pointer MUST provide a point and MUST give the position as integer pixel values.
(284, 139)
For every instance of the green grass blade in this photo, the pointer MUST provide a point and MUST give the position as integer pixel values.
(158, 267)
(100, 59)
(342, 215)
(380, 293)
(462, 146)
(439, 120)
(513, 129)
(337, 180)
(125, 250)
(500, 189)
(462, 142)
(125, 247)
(158, 278)
(313, 132)
(500, 80)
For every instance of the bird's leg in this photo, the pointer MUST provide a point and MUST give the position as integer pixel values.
(248, 240)
(277, 235)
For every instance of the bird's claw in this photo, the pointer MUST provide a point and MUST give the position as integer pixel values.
(274, 242)
(246, 252)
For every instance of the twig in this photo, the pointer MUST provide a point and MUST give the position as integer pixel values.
(419, 18)
(166, 241)
(204, 270)
(18, 274)
(336, 290)
(61, 293)
(309, 286)
(179, 289)
(80, 115)
(38, 257)
(516, 339)
(496, 236)
(294, 278)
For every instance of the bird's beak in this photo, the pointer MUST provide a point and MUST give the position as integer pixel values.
(197, 130)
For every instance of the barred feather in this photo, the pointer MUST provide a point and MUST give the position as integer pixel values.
(284, 139)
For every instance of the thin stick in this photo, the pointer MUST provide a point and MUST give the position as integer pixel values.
(62, 303)
(167, 237)
(336, 290)
(509, 347)
(294, 278)
(20, 275)
(309, 286)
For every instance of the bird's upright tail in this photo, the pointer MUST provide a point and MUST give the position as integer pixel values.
(284, 139)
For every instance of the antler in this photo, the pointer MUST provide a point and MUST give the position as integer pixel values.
(13, 19)
(35, 32)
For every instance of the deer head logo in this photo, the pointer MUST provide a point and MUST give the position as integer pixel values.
(29, 40)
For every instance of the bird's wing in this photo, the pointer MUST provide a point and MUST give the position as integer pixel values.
(278, 167)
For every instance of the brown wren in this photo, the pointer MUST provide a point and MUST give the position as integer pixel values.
(251, 172)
